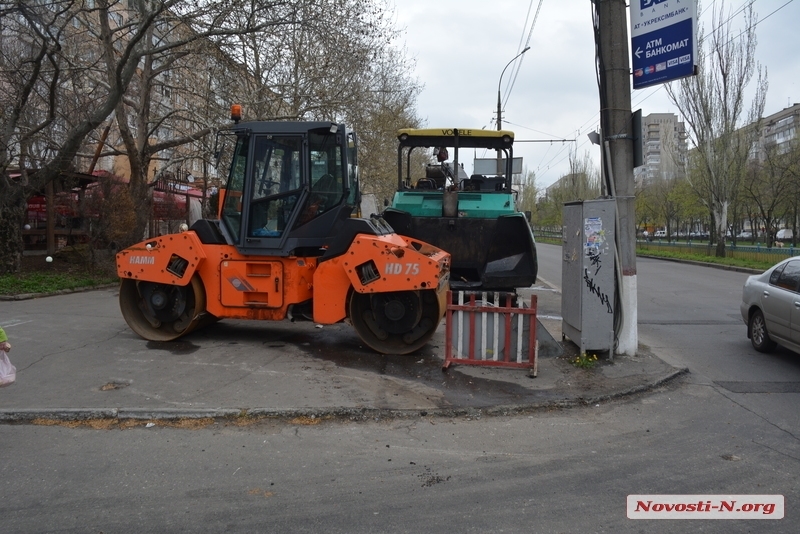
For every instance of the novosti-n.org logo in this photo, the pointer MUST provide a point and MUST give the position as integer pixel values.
(705, 506)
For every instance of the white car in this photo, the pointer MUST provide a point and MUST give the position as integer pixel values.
(771, 306)
(660, 233)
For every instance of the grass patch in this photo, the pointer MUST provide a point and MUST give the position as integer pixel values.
(584, 361)
(761, 265)
(733, 262)
(39, 282)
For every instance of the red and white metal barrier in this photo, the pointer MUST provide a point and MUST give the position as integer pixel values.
(490, 330)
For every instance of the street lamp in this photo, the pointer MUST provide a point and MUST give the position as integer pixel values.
(499, 104)
(500, 111)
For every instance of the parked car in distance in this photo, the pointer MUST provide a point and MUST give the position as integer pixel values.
(771, 306)
(744, 235)
(784, 234)
(660, 233)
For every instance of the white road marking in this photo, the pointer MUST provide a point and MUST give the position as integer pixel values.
(9, 325)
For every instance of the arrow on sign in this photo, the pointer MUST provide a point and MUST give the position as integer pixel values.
(638, 53)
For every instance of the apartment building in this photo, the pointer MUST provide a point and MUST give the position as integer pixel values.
(664, 148)
(778, 130)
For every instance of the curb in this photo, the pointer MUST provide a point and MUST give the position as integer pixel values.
(28, 296)
(746, 270)
(355, 413)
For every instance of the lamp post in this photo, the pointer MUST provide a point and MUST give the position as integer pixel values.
(500, 109)
(499, 103)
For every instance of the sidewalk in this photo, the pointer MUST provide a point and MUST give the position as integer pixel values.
(76, 359)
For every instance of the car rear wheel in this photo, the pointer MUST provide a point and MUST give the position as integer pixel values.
(759, 336)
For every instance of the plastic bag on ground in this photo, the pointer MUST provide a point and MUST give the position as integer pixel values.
(8, 373)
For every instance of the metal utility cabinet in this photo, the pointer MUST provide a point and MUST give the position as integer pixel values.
(587, 274)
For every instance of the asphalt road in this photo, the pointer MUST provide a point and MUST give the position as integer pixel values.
(689, 315)
(714, 432)
(563, 471)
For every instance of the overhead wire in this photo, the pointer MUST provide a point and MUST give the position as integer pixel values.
(759, 20)
(516, 68)
(550, 160)
(553, 161)
(518, 60)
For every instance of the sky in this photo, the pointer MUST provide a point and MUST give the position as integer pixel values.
(462, 46)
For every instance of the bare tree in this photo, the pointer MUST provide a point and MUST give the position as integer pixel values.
(712, 104)
(388, 104)
(317, 60)
(786, 164)
(529, 192)
(336, 61)
(315, 68)
(768, 186)
(39, 46)
(663, 190)
(180, 94)
(582, 183)
(690, 209)
(30, 76)
(645, 209)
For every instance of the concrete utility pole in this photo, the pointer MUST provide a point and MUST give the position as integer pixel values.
(616, 124)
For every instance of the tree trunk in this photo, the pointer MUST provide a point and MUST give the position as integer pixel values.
(138, 191)
(720, 226)
(12, 217)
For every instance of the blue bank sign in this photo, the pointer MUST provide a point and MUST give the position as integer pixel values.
(663, 40)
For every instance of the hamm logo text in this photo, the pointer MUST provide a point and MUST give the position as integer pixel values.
(143, 260)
